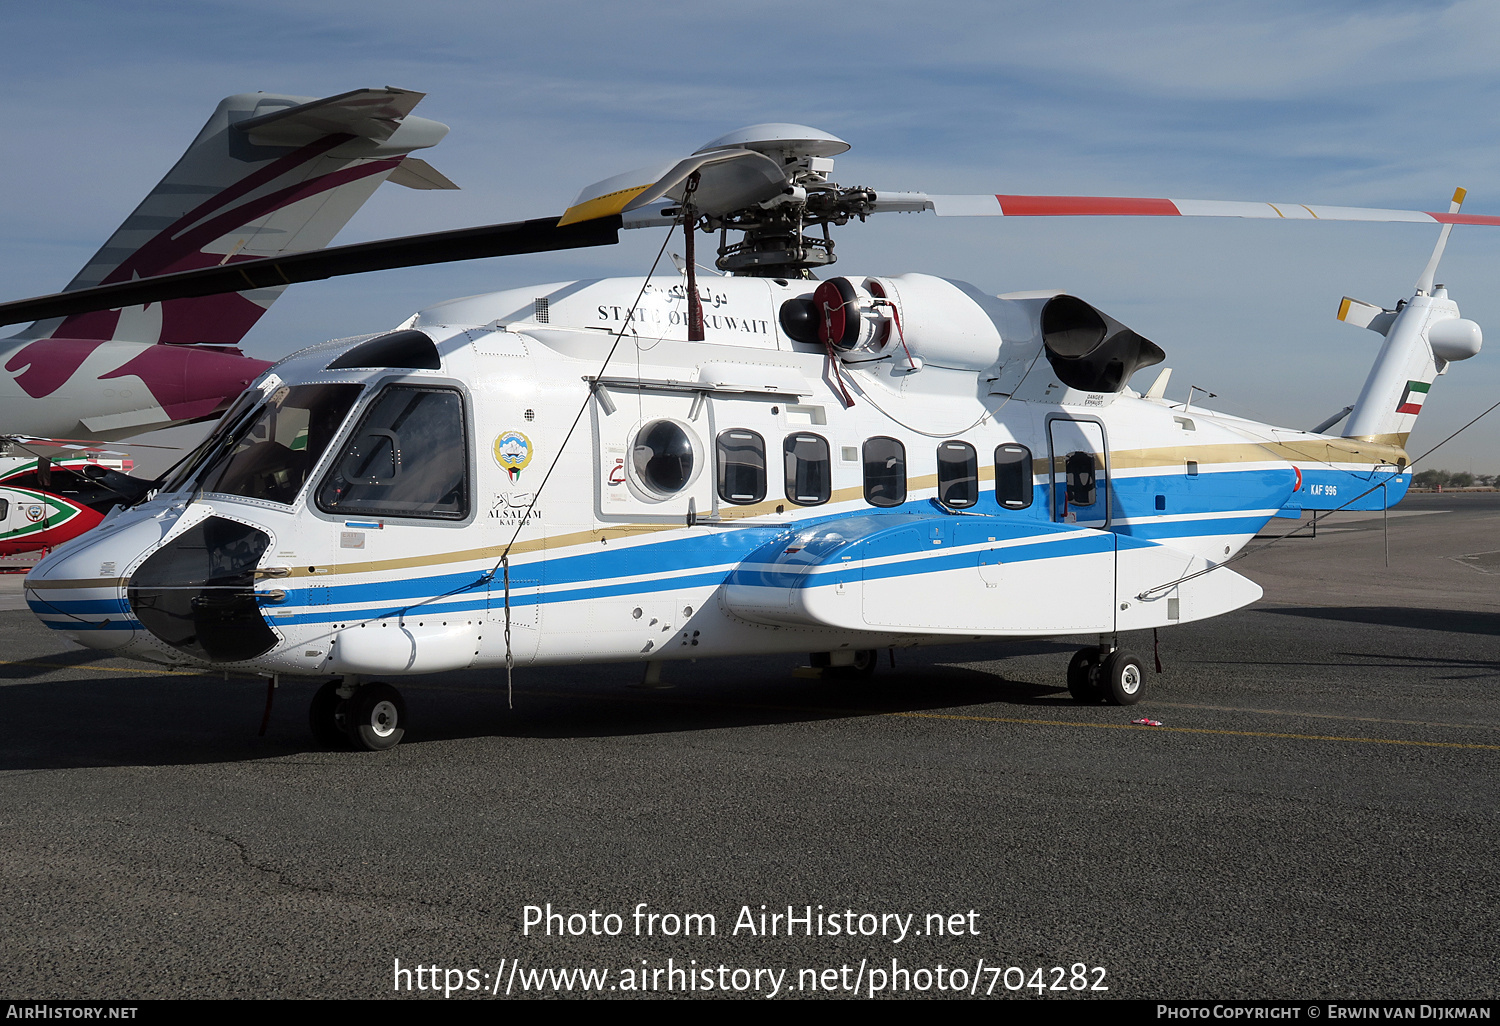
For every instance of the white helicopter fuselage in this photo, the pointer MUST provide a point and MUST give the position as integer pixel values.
(536, 528)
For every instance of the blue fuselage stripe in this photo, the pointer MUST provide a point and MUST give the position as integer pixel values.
(608, 573)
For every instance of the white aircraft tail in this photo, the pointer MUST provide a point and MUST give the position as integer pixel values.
(267, 175)
(1423, 335)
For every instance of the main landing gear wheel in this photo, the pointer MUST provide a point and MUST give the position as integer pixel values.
(1083, 676)
(326, 716)
(375, 717)
(1122, 679)
(864, 664)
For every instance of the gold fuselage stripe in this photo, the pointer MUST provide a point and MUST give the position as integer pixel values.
(1373, 452)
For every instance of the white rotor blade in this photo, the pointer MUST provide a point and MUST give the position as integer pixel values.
(728, 180)
(1429, 273)
(1126, 206)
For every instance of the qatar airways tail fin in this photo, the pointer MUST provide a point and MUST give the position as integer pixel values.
(268, 175)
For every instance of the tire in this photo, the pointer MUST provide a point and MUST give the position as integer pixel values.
(1123, 679)
(1083, 676)
(326, 716)
(865, 662)
(375, 717)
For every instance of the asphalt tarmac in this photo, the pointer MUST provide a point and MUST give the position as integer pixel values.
(1314, 818)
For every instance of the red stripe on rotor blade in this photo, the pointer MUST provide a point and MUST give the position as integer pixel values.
(1056, 206)
(1464, 218)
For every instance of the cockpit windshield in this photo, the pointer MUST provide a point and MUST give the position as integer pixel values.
(271, 452)
(180, 473)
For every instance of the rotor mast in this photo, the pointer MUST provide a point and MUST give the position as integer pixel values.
(787, 234)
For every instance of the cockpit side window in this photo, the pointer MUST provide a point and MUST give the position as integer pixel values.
(278, 446)
(409, 457)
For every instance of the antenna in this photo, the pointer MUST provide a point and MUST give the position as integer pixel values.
(1197, 388)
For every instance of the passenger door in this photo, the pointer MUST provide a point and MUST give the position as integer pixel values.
(1080, 472)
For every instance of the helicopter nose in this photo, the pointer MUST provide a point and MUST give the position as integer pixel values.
(196, 593)
(80, 588)
(177, 585)
(192, 381)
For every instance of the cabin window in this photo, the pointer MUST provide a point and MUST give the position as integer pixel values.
(275, 450)
(742, 466)
(808, 469)
(885, 472)
(409, 457)
(662, 457)
(1013, 476)
(1079, 467)
(4, 508)
(958, 474)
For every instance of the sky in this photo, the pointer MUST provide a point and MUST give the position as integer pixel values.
(1362, 103)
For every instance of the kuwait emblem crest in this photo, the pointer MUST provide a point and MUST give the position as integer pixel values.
(513, 452)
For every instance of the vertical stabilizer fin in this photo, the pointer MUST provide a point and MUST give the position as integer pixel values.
(268, 175)
(1423, 335)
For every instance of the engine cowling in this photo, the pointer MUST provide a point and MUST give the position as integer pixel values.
(916, 320)
(913, 319)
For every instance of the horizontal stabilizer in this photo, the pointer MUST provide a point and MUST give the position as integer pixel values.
(1366, 315)
(1331, 421)
(416, 173)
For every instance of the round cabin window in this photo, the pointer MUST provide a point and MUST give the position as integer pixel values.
(662, 457)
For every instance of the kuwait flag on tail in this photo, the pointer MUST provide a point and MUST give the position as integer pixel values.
(1413, 397)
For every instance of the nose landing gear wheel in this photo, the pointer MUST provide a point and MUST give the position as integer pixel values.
(1122, 679)
(375, 717)
(326, 716)
(1083, 677)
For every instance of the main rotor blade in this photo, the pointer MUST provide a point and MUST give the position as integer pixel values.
(536, 236)
(1129, 206)
(730, 179)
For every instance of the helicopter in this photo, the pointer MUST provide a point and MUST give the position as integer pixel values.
(53, 490)
(659, 468)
